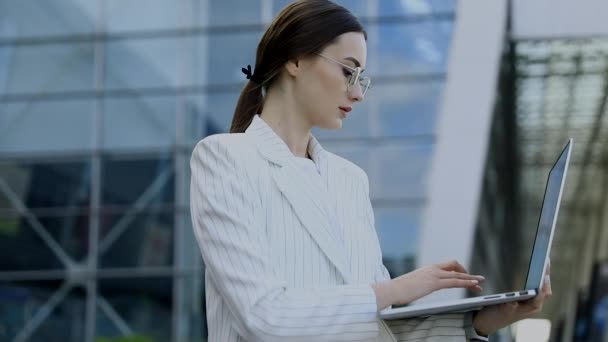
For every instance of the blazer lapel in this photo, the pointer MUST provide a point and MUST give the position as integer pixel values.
(307, 197)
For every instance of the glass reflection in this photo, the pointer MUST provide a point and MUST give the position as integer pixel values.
(21, 301)
(136, 63)
(400, 171)
(160, 14)
(411, 48)
(144, 304)
(406, 109)
(139, 122)
(230, 12)
(143, 180)
(47, 67)
(23, 247)
(132, 239)
(34, 18)
(228, 53)
(46, 184)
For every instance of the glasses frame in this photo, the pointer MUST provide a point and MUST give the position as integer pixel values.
(355, 76)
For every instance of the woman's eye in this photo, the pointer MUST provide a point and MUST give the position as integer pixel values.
(346, 72)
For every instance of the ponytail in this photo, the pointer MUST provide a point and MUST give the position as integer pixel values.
(250, 103)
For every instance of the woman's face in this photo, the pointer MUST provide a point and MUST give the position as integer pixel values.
(322, 91)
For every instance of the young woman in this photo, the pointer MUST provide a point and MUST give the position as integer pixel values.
(286, 228)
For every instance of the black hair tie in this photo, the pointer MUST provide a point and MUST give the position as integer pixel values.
(250, 75)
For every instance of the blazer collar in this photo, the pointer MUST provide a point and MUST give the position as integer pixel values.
(309, 198)
(273, 148)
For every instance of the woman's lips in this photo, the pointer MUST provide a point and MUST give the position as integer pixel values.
(345, 110)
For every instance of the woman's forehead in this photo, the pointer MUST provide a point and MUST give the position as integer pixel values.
(351, 44)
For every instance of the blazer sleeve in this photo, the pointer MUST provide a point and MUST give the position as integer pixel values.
(224, 203)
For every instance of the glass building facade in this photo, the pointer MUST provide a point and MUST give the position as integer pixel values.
(101, 104)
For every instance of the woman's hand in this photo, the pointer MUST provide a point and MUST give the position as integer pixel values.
(423, 281)
(495, 317)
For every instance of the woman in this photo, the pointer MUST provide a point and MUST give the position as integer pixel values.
(286, 229)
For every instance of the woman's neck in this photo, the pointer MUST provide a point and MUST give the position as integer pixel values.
(282, 116)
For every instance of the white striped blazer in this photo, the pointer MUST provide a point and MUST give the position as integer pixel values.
(289, 258)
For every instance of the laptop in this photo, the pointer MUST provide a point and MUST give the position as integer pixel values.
(538, 260)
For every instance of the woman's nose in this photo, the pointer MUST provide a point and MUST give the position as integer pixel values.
(355, 93)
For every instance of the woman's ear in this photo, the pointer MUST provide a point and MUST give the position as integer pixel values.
(292, 67)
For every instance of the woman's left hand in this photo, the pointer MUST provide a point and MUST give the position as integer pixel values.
(495, 317)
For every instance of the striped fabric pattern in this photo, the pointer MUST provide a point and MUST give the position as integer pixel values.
(289, 257)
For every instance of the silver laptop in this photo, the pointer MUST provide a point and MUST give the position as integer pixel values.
(538, 261)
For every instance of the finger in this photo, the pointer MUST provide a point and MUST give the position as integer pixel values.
(452, 265)
(457, 283)
(547, 286)
(533, 305)
(457, 275)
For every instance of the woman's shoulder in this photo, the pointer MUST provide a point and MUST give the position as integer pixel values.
(348, 166)
(232, 141)
(227, 145)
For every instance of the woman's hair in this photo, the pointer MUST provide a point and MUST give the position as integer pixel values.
(301, 29)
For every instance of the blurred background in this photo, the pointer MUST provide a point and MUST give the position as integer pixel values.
(102, 102)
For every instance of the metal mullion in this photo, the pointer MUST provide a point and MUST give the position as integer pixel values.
(91, 264)
(197, 30)
(373, 32)
(43, 313)
(179, 323)
(104, 273)
(191, 89)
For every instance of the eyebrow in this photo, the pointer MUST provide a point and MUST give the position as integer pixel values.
(354, 60)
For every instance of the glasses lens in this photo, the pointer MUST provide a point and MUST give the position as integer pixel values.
(354, 77)
(365, 83)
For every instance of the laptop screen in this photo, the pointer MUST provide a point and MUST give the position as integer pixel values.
(547, 218)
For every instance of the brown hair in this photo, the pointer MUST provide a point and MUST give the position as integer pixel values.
(301, 29)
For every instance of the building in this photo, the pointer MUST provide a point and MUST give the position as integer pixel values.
(101, 103)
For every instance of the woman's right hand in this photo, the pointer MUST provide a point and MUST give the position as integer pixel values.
(423, 281)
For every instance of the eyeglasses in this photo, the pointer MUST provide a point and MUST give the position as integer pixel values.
(353, 75)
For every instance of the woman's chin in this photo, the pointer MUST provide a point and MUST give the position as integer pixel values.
(333, 124)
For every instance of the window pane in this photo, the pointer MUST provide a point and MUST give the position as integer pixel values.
(132, 239)
(147, 181)
(411, 48)
(139, 122)
(194, 297)
(195, 119)
(220, 110)
(46, 126)
(144, 304)
(357, 7)
(228, 53)
(398, 233)
(20, 301)
(415, 7)
(22, 248)
(143, 62)
(22, 18)
(395, 170)
(67, 320)
(400, 171)
(159, 14)
(358, 153)
(46, 184)
(46, 67)
(407, 108)
(230, 12)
